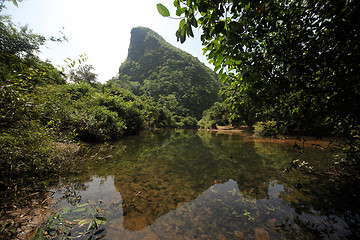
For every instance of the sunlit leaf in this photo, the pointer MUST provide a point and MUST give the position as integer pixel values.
(163, 10)
(84, 221)
(177, 4)
(79, 209)
(101, 219)
(180, 11)
(82, 205)
(92, 225)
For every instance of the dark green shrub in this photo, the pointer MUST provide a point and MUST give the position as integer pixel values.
(28, 149)
(218, 114)
(97, 123)
(271, 129)
(128, 111)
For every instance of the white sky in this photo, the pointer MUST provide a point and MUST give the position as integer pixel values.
(99, 28)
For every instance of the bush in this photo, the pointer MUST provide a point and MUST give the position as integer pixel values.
(271, 129)
(27, 150)
(189, 122)
(92, 115)
(218, 114)
(155, 115)
(98, 124)
(128, 111)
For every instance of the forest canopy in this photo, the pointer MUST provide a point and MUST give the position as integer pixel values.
(290, 61)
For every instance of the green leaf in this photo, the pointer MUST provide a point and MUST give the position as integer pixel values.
(217, 67)
(189, 31)
(193, 22)
(66, 210)
(92, 225)
(177, 3)
(163, 10)
(82, 205)
(183, 34)
(99, 232)
(180, 11)
(101, 219)
(79, 210)
(182, 23)
(15, 3)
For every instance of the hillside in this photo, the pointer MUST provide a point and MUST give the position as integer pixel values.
(174, 79)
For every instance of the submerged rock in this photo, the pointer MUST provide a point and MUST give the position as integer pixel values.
(240, 235)
(261, 234)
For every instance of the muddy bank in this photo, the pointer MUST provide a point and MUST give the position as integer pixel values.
(306, 141)
(22, 220)
(24, 199)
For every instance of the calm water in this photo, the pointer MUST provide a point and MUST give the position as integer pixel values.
(198, 185)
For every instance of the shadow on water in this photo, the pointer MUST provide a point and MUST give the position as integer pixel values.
(197, 185)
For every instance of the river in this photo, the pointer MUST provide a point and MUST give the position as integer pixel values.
(201, 185)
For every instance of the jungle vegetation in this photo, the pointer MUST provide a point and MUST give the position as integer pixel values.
(288, 63)
(285, 66)
(294, 61)
(47, 114)
(292, 65)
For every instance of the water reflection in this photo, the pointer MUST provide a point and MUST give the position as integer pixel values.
(195, 185)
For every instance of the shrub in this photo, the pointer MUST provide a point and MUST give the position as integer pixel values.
(26, 150)
(271, 129)
(97, 123)
(126, 110)
(218, 114)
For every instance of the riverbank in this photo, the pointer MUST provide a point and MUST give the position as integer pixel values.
(25, 197)
(304, 141)
(22, 220)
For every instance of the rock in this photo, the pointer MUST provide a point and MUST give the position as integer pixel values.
(179, 211)
(261, 234)
(240, 235)
(219, 237)
(272, 222)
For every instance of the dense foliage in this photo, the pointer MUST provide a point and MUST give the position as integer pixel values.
(295, 61)
(41, 115)
(44, 112)
(174, 80)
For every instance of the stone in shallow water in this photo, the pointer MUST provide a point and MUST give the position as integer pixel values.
(240, 235)
(261, 234)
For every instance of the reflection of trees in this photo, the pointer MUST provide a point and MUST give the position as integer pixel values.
(323, 228)
(69, 190)
(165, 175)
(156, 173)
(314, 194)
(238, 159)
(173, 169)
(310, 191)
(306, 191)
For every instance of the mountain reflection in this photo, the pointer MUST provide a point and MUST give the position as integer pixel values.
(182, 168)
(196, 185)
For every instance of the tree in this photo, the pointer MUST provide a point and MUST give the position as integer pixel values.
(298, 58)
(2, 5)
(20, 71)
(83, 74)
